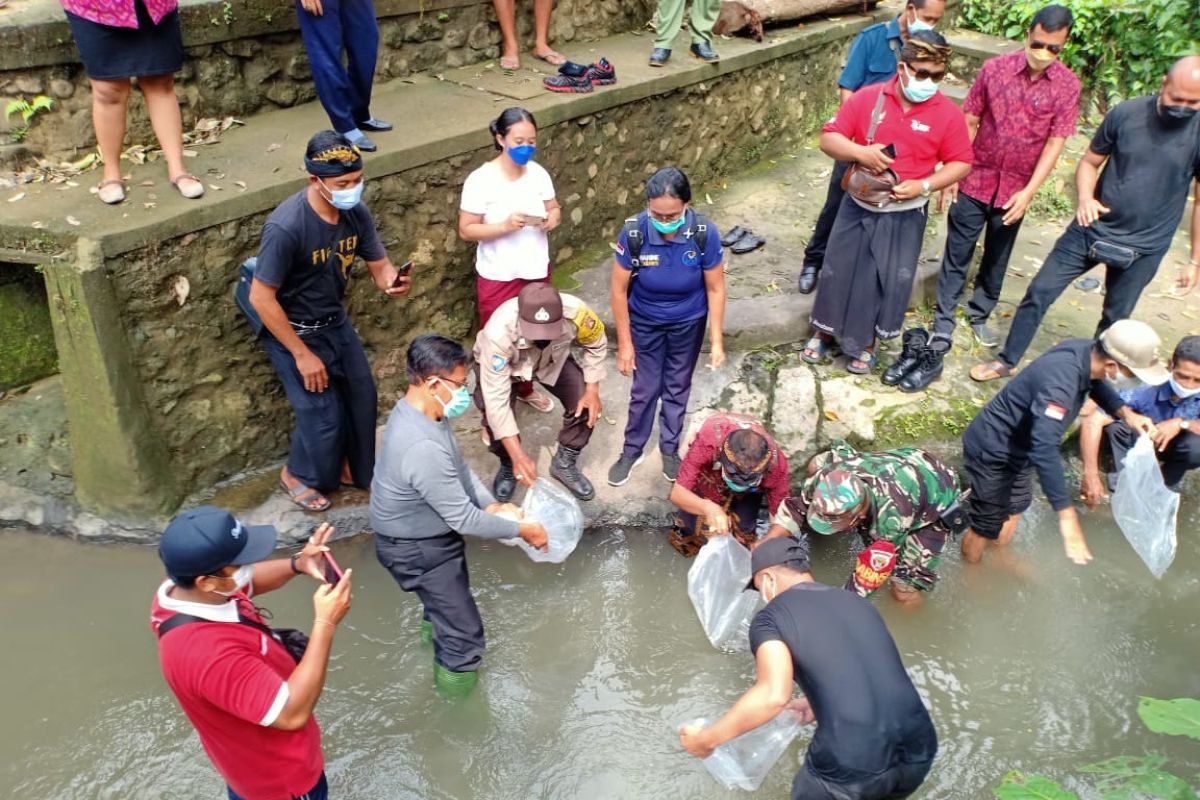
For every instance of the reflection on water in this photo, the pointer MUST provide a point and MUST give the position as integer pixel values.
(1031, 663)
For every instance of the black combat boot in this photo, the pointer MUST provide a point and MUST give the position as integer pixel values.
(505, 482)
(915, 340)
(927, 370)
(564, 468)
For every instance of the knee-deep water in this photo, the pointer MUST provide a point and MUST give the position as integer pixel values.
(1026, 662)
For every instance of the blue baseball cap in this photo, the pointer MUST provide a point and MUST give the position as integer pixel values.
(205, 539)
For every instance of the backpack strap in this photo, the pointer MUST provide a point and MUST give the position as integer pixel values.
(175, 620)
(701, 233)
(634, 239)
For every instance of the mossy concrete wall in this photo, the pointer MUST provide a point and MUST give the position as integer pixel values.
(247, 56)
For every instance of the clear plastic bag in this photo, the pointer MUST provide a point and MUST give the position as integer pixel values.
(1145, 508)
(743, 763)
(717, 587)
(559, 512)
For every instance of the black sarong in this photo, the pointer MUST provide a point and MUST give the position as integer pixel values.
(867, 276)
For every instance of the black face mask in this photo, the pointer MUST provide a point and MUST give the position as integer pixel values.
(1176, 115)
(541, 344)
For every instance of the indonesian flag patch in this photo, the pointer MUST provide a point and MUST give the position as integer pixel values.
(1055, 411)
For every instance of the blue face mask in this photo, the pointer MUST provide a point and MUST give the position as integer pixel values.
(460, 401)
(522, 154)
(919, 91)
(736, 488)
(345, 199)
(916, 24)
(667, 227)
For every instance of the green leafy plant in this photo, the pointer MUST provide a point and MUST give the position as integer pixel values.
(1118, 48)
(28, 109)
(1124, 777)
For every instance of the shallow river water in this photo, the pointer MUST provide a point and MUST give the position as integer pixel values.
(1028, 662)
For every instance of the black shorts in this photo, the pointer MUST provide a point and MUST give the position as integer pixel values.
(898, 782)
(997, 492)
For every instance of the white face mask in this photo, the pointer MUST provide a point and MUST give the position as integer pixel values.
(1121, 381)
(1181, 392)
(241, 579)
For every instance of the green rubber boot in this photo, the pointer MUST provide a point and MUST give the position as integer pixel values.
(454, 684)
(426, 632)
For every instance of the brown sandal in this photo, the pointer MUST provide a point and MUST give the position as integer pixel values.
(112, 198)
(191, 192)
(304, 496)
(991, 371)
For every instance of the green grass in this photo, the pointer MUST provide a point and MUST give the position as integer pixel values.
(26, 339)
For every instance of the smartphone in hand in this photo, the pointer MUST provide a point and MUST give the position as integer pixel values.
(402, 271)
(534, 221)
(890, 150)
(330, 569)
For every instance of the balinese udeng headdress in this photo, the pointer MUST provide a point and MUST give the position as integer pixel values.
(334, 161)
(916, 50)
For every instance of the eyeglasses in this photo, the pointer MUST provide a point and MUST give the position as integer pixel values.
(1034, 44)
(451, 381)
(922, 74)
(665, 218)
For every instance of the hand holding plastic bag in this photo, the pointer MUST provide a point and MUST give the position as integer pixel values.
(743, 762)
(717, 587)
(559, 512)
(1145, 508)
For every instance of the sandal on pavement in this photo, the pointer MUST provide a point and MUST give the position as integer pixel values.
(866, 359)
(510, 62)
(816, 350)
(304, 496)
(190, 191)
(991, 371)
(539, 400)
(111, 191)
(551, 57)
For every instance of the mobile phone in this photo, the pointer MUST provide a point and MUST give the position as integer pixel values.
(403, 270)
(534, 221)
(330, 569)
(890, 150)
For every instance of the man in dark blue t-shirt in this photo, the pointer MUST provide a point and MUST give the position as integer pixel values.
(873, 56)
(1149, 148)
(309, 244)
(874, 738)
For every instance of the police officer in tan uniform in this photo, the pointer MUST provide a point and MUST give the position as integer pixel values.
(529, 338)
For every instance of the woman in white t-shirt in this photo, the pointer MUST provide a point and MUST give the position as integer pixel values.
(508, 207)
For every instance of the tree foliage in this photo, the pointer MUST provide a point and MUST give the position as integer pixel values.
(1118, 48)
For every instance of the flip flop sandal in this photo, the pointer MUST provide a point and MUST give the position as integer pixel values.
(111, 197)
(982, 373)
(732, 236)
(538, 400)
(821, 349)
(553, 58)
(190, 192)
(302, 495)
(510, 63)
(747, 243)
(867, 358)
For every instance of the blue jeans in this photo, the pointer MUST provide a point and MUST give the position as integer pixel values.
(318, 792)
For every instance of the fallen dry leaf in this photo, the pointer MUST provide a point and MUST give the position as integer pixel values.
(181, 289)
(832, 416)
(37, 224)
(271, 148)
(72, 220)
(240, 184)
(16, 197)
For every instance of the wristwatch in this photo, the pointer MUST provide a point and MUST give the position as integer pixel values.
(925, 190)
(1185, 425)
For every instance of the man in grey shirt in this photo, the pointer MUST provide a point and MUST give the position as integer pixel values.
(424, 497)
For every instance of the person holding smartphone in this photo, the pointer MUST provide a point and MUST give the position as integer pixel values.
(508, 207)
(249, 697)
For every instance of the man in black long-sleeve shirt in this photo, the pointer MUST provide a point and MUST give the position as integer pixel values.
(1021, 430)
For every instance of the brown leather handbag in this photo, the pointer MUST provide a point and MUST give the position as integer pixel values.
(872, 188)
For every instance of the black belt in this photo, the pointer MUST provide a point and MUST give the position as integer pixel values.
(308, 326)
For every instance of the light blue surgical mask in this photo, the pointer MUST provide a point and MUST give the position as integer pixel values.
(1181, 392)
(916, 24)
(460, 401)
(522, 154)
(345, 199)
(919, 91)
(667, 227)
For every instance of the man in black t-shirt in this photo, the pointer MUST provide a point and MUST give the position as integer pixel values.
(874, 738)
(1149, 148)
(309, 244)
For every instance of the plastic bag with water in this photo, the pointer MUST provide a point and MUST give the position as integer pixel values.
(1145, 508)
(743, 763)
(559, 512)
(717, 586)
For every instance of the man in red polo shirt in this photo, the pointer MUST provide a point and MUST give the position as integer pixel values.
(1020, 111)
(249, 700)
(732, 463)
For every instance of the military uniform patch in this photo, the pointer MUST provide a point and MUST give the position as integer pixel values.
(588, 325)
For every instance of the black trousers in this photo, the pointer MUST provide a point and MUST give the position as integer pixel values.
(896, 783)
(1182, 454)
(569, 387)
(968, 218)
(436, 569)
(814, 252)
(338, 422)
(1067, 261)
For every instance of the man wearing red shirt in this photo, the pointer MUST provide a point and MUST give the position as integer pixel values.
(731, 463)
(1020, 111)
(872, 256)
(249, 700)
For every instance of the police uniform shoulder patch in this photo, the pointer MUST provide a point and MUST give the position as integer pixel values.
(589, 327)
(1055, 411)
(499, 362)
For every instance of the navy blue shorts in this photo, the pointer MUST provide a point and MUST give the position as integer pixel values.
(997, 492)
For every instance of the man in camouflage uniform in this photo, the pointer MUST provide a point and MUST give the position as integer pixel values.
(895, 500)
